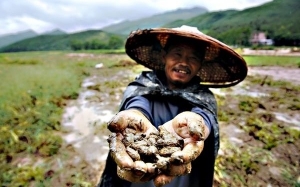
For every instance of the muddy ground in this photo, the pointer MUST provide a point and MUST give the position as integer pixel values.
(259, 126)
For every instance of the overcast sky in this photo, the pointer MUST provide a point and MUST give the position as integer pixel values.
(77, 15)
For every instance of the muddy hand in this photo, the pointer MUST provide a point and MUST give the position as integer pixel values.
(127, 168)
(141, 172)
(191, 127)
(162, 179)
(118, 151)
(168, 175)
(131, 120)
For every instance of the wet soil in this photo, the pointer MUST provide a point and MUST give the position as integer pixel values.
(277, 73)
(85, 125)
(255, 150)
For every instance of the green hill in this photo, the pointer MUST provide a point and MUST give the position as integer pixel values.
(12, 38)
(60, 42)
(279, 19)
(55, 32)
(154, 21)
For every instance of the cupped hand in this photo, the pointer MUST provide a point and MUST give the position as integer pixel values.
(191, 128)
(129, 121)
(170, 173)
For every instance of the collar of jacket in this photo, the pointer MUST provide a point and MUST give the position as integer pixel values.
(153, 83)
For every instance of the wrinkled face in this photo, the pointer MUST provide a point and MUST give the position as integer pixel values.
(181, 64)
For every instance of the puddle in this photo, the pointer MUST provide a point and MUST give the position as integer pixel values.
(240, 89)
(83, 136)
(233, 133)
(295, 120)
(82, 121)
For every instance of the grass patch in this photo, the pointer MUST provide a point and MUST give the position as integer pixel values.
(234, 164)
(32, 99)
(286, 61)
(270, 133)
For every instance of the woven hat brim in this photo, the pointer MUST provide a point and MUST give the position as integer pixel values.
(221, 67)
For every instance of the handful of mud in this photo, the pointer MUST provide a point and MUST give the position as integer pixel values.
(155, 150)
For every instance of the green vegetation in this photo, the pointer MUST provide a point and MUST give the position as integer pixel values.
(34, 90)
(32, 101)
(93, 39)
(285, 61)
(246, 162)
(271, 134)
(240, 167)
(249, 104)
(113, 43)
(235, 27)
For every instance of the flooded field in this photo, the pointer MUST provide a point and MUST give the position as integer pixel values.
(55, 112)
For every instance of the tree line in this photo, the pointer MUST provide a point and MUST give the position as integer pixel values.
(242, 37)
(114, 42)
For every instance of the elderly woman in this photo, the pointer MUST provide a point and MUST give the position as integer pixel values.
(174, 96)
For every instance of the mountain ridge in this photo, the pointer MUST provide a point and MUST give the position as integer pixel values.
(126, 27)
(8, 39)
(154, 21)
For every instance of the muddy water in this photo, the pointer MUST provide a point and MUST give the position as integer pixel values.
(81, 121)
(84, 120)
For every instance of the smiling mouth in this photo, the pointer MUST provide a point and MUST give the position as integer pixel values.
(182, 70)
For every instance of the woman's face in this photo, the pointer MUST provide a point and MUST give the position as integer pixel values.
(181, 64)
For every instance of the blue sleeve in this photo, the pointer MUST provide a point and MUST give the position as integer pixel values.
(140, 103)
(207, 117)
